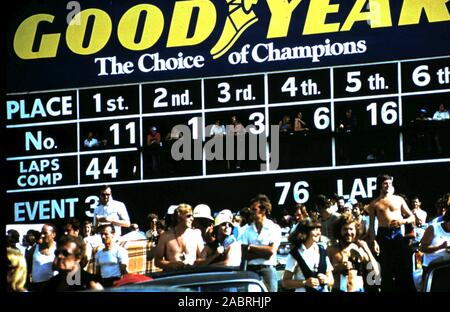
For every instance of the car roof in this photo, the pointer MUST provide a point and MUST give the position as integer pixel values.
(197, 276)
(196, 270)
(206, 277)
(139, 287)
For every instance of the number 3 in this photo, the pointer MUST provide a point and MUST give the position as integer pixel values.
(259, 123)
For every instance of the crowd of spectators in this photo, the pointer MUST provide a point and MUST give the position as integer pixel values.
(335, 245)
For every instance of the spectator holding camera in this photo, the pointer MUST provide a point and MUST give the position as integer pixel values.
(350, 257)
(308, 268)
(227, 250)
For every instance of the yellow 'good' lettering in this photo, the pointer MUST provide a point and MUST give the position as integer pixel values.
(435, 10)
(280, 20)
(152, 30)
(182, 14)
(315, 19)
(101, 31)
(379, 14)
(26, 35)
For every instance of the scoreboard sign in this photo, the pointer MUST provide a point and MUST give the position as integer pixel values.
(308, 97)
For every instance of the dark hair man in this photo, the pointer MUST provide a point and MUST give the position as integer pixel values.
(392, 212)
(260, 242)
(71, 276)
(110, 211)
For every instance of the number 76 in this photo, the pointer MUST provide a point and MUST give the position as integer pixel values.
(300, 192)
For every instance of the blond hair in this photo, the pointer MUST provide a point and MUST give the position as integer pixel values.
(17, 270)
(181, 210)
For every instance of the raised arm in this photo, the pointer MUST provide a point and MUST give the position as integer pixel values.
(408, 216)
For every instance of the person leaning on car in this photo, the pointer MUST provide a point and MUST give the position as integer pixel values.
(260, 242)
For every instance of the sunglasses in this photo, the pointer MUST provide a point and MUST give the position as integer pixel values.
(64, 252)
(226, 224)
(189, 216)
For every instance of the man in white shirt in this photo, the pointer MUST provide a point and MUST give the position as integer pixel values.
(111, 211)
(418, 212)
(112, 260)
(260, 242)
(441, 113)
(41, 258)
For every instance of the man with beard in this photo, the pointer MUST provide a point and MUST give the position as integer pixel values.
(181, 245)
(350, 257)
(71, 277)
(392, 212)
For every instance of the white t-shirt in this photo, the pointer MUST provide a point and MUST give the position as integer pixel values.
(91, 143)
(217, 130)
(42, 269)
(110, 260)
(438, 115)
(439, 237)
(311, 257)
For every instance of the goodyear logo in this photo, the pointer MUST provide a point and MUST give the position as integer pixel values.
(239, 18)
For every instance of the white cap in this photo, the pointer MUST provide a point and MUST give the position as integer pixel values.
(171, 209)
(202, 211)
(226, 212)
(223, 218)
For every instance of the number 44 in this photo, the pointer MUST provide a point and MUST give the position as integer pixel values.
(301, 193)
(110, 168)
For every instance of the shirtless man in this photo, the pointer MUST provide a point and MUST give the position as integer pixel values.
(350, 257)
(181, 245)
(392, 212)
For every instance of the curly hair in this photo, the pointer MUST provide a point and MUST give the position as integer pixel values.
(345, 218)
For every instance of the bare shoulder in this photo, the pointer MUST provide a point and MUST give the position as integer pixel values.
(400, 202)
(374, 203)
(166, 236)
(361, 243)
(332, 250)
(398, 198)
(195, 232)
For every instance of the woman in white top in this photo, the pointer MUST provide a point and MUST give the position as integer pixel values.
(217, 129)
(435, 243)
(441, 113)
(308, 267)
(227, 250)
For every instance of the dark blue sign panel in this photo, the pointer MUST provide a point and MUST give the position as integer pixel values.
(59, 44)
